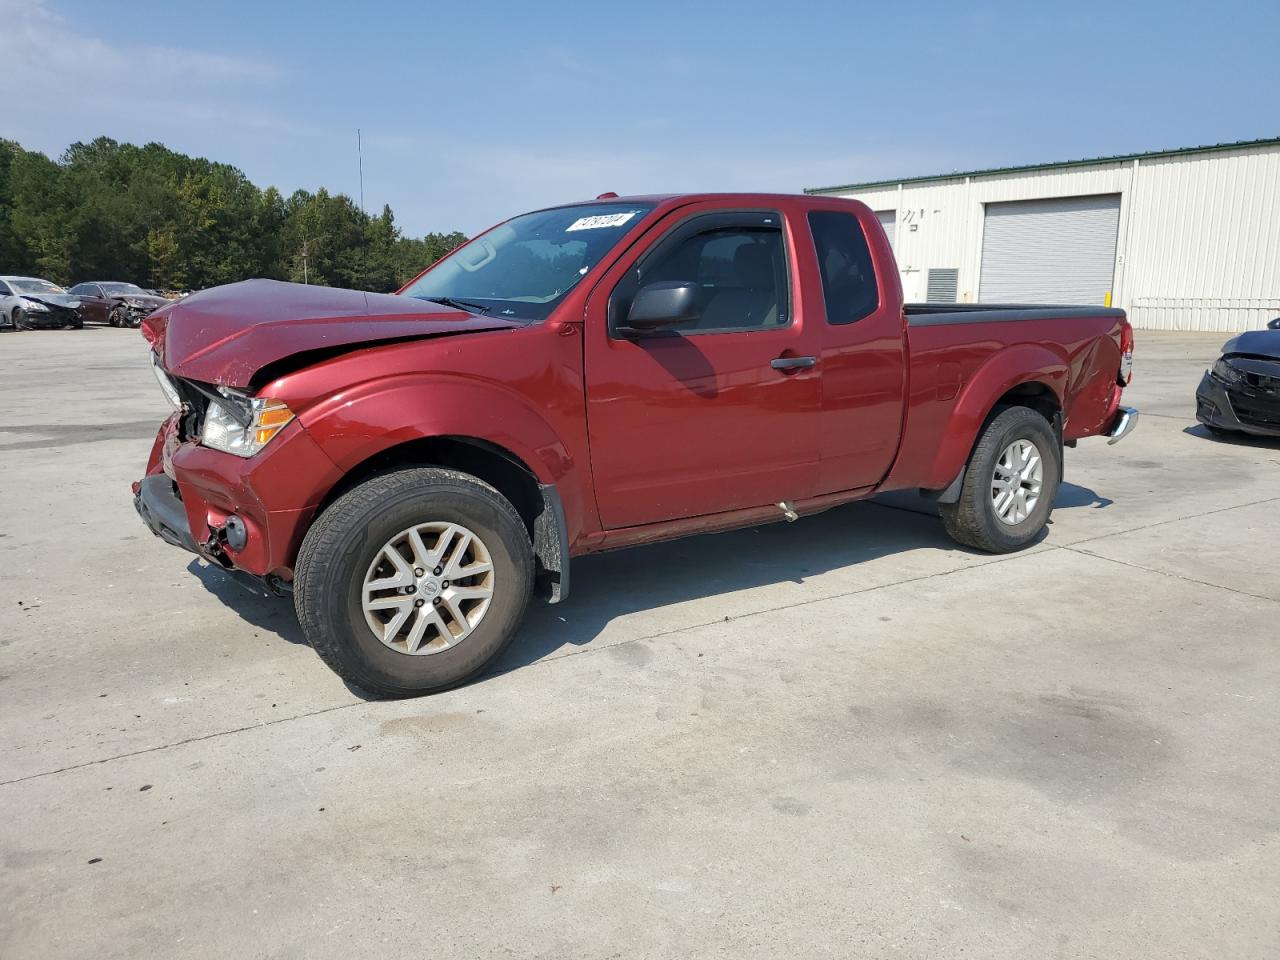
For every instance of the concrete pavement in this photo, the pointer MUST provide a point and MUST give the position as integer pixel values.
(844, 736)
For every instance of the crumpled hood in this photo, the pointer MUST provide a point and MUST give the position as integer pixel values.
(224, 335)
(62, 300)
(144, 300)
(1257, 343)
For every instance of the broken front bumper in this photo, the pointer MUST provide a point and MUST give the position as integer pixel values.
(1249, 410)
(156, 500)
(242, 514)
(53, 318)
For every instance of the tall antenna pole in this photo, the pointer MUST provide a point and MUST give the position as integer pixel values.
(364, 226)
(360, 164)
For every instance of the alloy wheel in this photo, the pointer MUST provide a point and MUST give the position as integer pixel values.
(1016, 482)
(428, 588)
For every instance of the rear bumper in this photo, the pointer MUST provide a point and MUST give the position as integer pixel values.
(1123, 425)
(1216, 408)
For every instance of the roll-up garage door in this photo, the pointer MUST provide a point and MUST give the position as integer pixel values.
(889, 220)
(1049, 251)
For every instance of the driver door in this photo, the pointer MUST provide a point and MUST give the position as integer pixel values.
(713, 414)
(92, 304)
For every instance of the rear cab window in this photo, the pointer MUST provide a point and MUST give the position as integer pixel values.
(849, 288)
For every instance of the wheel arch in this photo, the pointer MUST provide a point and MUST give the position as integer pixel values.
(538, 504)
(1030, 375)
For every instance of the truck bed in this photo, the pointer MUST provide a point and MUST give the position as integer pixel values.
(957, 367)
(938, 314)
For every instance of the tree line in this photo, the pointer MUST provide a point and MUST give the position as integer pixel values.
(161, 219)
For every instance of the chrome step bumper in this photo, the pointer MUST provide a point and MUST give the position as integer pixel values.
(1126, 420)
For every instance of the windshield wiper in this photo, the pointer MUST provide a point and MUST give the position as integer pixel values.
(459, 304)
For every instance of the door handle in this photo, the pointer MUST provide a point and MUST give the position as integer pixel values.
(793, 363)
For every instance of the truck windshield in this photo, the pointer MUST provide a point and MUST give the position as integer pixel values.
(526, 266)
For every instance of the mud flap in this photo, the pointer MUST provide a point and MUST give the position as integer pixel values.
(551, 544)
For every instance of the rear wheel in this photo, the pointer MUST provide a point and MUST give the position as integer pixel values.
(1010, 483)
(414, 581)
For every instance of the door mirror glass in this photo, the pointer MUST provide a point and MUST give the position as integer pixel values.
(662, 304)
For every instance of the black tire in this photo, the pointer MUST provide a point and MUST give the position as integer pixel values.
(115, 318)
(19, 319)
(972, 519)
(344, 540)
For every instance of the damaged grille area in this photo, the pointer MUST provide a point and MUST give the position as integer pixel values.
(53, 314)
(1255, 397)
(195, 403)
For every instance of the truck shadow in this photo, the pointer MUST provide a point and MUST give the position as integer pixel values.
(258, 607)
(691, 582)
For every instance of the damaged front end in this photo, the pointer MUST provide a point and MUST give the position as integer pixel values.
(206, 492)
(1241, 394)
(132, 313)
(53, 313)
(233, 461)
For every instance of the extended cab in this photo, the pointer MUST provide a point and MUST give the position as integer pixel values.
(413, 466)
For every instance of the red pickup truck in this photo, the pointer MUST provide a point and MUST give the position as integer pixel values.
(413, 467)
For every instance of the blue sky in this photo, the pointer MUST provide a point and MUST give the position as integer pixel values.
(472, 111)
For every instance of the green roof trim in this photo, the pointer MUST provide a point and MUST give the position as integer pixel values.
(1088, 162)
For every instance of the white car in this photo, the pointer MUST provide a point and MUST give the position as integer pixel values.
(27, 302)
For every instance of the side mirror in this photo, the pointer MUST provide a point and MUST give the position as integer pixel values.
(661, 305)
(1274, 324)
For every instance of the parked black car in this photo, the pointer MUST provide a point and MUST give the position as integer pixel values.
(114, 303)
(1241, 392)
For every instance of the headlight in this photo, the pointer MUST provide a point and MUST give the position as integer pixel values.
(1227, 373)
(166, 385)
(35, 306)
(242, 425)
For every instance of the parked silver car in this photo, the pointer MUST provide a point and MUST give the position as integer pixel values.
(27, 302)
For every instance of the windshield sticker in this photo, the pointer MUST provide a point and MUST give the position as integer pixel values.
(604, 220)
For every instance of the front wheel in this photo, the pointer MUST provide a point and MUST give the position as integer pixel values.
(1009, 485)
(19, 319)
(414, 581)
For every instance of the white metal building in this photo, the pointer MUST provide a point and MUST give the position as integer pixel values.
(1182, 239)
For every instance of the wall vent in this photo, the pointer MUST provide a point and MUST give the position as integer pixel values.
(943, 283)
